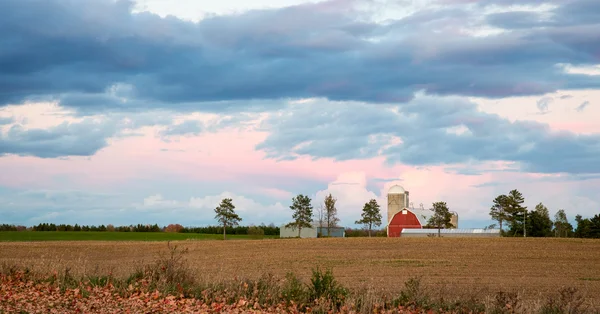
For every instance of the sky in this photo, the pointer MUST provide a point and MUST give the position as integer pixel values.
(152, 111)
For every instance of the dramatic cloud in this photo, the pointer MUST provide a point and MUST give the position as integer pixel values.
(457, 100)
(99, 54)
(426, 131)
(67, 139)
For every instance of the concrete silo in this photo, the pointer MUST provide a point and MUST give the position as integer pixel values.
(454, 220)
(397, 199)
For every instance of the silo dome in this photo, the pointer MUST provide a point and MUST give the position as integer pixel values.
(396, 189)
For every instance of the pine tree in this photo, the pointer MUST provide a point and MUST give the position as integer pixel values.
(302, 213)
(539, 223)
(371, 215)
(516, 212)
(226, 215)
(441, 217)
(498, 210)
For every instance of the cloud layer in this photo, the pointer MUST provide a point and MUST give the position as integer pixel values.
(109, 111)
(427, 131)
(99, 54)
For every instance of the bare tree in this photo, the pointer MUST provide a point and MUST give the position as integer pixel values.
(330, 213)
(321, 217)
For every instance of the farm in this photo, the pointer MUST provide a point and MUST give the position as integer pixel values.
(534, 269)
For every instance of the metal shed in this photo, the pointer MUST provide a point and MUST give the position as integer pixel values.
(336, 232)
(451, 233)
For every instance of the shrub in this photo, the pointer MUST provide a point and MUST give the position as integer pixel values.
(324, 286)
(174, 228)
(506, 302)
(256, 232)
(412, 294)
(169, 274)
(294, 290)
(568, 301)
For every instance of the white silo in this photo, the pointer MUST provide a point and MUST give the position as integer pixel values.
(397, 199)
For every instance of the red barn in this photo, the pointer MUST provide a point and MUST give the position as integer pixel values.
(404, 219)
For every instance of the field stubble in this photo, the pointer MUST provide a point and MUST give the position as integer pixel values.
(448, 267)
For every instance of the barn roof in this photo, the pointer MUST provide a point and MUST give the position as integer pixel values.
(422, 214)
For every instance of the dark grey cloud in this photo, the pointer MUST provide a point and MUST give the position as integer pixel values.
(582, 107)
(97, 56)
(424, 126)
(567, 13)
(67, 139)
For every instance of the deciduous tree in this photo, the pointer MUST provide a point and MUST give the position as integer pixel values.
(330, 213)
(301, 205)
(562, 227)
(441, 217)
(226, 215)
(371, 215)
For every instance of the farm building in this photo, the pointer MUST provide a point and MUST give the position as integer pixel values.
(290, 232)
(336, 232)
(312, 232)
(450, 233)
(400, 217)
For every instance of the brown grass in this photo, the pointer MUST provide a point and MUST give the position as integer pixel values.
(453, 267)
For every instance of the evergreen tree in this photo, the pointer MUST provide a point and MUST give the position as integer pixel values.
(371, 215)
(516, 212)
(588, 227)
(498, 210)
(441, 217)
(539, 223)
(302, 213)
(226, 215)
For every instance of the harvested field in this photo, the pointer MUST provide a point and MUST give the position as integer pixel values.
(449, 266)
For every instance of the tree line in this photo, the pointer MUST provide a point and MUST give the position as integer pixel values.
(508, 211)
(241, 230)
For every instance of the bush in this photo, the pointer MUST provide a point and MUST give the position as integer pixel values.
(294, 290)
(412, 294)
(170, 274)
(568, 301)
(256, 232)
(506, 302)
(324, 287)
(174, 228)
